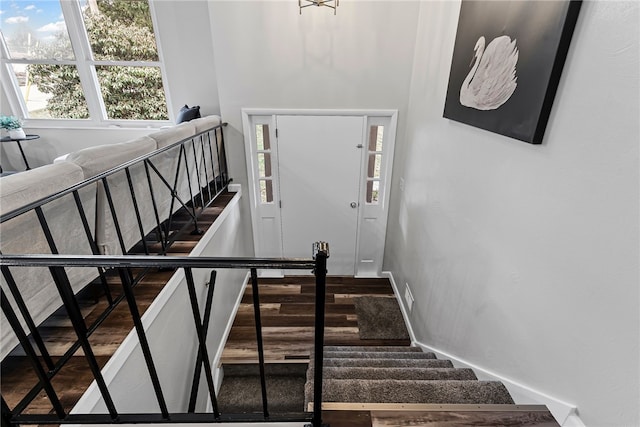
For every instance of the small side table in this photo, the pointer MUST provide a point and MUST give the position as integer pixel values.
(17, 141)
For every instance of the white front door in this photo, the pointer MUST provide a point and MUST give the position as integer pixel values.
(319, 175)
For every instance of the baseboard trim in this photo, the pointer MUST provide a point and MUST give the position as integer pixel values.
(565, 413)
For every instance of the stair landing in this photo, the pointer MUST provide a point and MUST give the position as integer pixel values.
(287, 314)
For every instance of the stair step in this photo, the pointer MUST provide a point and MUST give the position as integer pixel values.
(389, 363)
(243, 393)
(396, 373)
(411, 391)
(270, 369)
(373, 348)
(378, 355)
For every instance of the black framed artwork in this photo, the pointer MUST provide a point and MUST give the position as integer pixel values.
(517, 50)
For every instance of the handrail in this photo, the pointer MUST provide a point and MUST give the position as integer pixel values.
(153, 261)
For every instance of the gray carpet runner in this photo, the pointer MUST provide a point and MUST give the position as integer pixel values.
(399, 375)
(240, 392)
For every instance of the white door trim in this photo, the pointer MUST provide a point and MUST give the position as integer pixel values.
(372, 116)
(312, 112)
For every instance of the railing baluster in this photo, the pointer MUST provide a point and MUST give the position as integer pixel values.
(196, 230)
(112, 208)
(6, 413)
(46, 230)
(223, 159)
(75, 315)
(219, 158)
(31, 354)
(156, 214)
(206, 172)
(205, 328)
(197, 167)
(24, 311)
(92, 244)
(256, 312)
(144, 342)
(213, 164)
(193, 298)
(136, 210)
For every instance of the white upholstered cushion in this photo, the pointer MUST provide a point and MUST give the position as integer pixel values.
(173, 134)
(101, 158)
(96, 160)
(205, 123)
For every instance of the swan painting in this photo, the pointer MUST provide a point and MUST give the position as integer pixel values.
(492, 79)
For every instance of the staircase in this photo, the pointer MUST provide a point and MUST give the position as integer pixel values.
(393, 374)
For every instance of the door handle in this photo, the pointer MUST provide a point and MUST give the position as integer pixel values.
(353, 205)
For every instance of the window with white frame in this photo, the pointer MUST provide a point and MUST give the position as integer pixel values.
(374, 163)
(263, 151)
(91, 60)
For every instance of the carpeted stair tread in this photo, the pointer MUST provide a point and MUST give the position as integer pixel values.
(411, 391)
(397, 373)
(240, 391)
(388, 363)
(373, 348)
(378, 355)
(243, 395)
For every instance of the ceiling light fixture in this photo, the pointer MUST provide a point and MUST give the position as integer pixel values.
(333, 4)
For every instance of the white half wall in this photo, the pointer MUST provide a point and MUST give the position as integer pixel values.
(524, 260)
(170, 329)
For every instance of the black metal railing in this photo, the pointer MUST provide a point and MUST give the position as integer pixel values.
(58, 266)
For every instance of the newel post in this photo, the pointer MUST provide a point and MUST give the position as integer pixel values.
(320, 255)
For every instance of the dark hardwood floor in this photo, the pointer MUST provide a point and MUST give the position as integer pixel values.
(287, 314)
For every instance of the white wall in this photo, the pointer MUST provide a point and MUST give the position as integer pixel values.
(270, 56)
(525, 259)
(184, 33)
